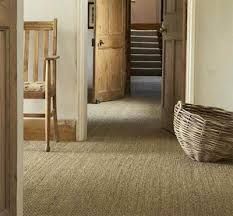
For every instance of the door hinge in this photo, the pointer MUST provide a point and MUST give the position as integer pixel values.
(93, 42)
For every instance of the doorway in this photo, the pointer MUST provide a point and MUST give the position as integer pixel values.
(110, 83)
(145, 49)
(155, 47)
(170, 29)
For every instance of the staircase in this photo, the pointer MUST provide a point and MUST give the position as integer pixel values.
(146, 53)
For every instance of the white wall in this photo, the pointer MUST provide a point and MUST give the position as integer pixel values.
(66, 12)
(214, 53)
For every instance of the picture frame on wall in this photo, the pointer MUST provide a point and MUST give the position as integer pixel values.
(91, 15)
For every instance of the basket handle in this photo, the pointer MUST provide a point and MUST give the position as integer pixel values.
(180, 105)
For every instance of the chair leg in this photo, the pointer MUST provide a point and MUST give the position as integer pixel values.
(56, 133)
(47, 122)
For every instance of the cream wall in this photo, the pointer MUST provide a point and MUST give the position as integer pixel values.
(214, 53)
(66, 12)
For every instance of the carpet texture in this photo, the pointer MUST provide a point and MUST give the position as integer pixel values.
(128, 167)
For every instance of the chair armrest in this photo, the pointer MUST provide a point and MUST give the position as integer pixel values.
(51, 58)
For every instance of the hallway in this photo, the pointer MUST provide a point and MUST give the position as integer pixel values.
(128, 166)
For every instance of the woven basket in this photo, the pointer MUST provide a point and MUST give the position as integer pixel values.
(204, 133)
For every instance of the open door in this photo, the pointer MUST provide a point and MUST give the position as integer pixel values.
(174, 57)
(110, 50)
(8, 108)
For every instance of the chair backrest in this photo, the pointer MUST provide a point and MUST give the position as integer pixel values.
(40, 41)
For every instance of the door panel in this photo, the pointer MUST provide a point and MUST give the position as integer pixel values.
(101, 83)
(174, 58)
(115, 66)
(8, 108)
(110, 55)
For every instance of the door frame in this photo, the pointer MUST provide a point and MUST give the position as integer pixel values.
(82, 83)
(82, 59)
(128, 36)
(20, 122)
(190, 50)
(15, 108)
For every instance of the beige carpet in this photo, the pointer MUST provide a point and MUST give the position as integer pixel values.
(128, 167)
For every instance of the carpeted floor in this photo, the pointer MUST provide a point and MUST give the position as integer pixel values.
(128, 167)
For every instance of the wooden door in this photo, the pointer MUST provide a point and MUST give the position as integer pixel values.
(8, 108)
(110, 50)
(174, 58)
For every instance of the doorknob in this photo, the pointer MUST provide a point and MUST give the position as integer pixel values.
(163, 29)
(100, 43)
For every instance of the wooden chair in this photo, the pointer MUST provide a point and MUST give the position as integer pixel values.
(40, 68)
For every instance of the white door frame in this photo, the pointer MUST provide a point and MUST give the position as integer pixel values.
(190, 53)
(81, 105)
(82, 63)
(82, 60)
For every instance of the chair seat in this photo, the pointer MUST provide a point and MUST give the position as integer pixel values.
(36, 90)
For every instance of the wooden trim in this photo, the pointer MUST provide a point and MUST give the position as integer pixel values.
(146, 26)
(34, 129)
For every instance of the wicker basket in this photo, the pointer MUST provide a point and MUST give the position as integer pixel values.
(204, 133)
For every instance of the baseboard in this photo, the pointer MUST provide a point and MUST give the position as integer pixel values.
(34, 129)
